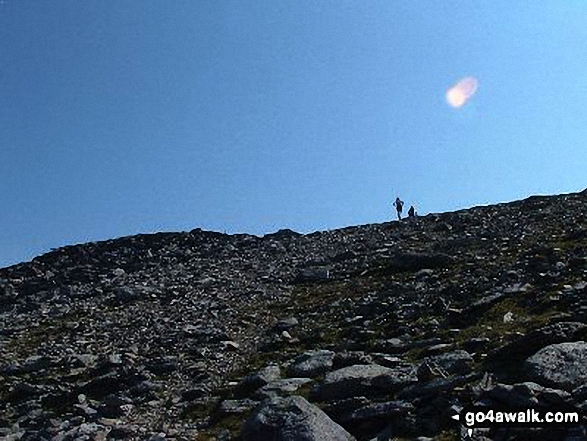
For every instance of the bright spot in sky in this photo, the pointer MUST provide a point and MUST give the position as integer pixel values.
(458, 95)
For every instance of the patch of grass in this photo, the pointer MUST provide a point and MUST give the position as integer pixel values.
(231, 423)
(415, 355)
(448, 435)
(199, 410)
(492, 325)
(305, 390)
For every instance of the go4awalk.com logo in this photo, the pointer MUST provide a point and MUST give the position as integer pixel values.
(485, 417)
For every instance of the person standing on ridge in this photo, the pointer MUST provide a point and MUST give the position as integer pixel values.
(412, 212)
(399, 205)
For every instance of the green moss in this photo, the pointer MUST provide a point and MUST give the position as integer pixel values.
(448, 435)
(199, 410)
(491, 325)
(231, 423)
(305, 390)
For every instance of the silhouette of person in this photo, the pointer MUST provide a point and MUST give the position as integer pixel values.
(412, 212)
(399, 205)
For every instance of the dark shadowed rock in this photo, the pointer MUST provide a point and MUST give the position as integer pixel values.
(418, 261)
(527, 395)
(435, 387)
(535, 340)
(232, 407)
(292, 419)
(350, 358)
(284, 233)
(307, 275)
(258, 379)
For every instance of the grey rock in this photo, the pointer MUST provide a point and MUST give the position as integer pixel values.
(281, 388)
(429, 370)
(368, 380)
(128, 294)
(286, 324)
(258, 379)
(377, 410)
(454, 363)
(292, 419)
(435, 387)
(82, 360)
(311, 364)
(344, 359)
(230, 345)
(527, 394)
(236, 407)
(562, 365)
(313, 275)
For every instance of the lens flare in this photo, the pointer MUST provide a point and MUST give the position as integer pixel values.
(458, 95)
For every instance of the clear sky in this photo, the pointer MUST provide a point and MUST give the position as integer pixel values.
(125, 117)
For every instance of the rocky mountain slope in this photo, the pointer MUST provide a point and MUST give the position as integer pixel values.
(373, 332)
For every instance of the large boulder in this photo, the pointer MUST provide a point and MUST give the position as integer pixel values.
(562, 366)
(292, 419)
(368, 380)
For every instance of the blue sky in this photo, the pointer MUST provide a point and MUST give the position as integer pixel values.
(119, 118)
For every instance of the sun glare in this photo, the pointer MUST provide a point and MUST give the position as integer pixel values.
(458, 95)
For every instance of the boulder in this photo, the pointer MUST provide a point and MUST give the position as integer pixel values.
(375, 411)
(454, 363)
(311, 364)
(527, 395)
(292, 419)
(257, 380)
(309, 275)
(281, 388)
(561, 366)
(286, 324)
(367, 380)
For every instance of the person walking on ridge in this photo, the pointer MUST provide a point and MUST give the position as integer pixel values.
(399, 205)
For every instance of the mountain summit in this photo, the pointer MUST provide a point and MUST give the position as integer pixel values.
(382, 331)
